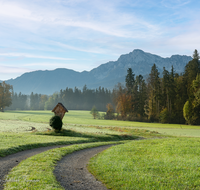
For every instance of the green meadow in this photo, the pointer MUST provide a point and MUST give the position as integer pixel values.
(166, 158)
(74, 119)
(171, 163)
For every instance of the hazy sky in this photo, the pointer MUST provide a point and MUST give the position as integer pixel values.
(82, 34)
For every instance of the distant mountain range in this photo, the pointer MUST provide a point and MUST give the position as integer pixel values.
(106, 75)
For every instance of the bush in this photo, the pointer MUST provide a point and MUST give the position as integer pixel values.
(94, 112)
(164, 116)
(56, 123)
(110, 112)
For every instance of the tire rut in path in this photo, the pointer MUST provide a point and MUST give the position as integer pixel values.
(71, 171)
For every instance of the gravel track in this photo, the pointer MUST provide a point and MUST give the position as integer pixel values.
(70, 171)
(10, 161)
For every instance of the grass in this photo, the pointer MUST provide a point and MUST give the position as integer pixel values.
(22, 121)
(12, 143)
(171, 163)
(16, 134)
(15, 142)
(83, 118)
(36, 172)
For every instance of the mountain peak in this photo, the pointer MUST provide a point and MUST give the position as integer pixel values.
(106, 75)
(137, 51)
(136, 55)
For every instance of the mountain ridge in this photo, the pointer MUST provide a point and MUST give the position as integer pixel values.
(106, 75)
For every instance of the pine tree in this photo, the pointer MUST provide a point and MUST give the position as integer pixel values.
(130, 81)
(196, 55)
(142, 95)
(154, 93)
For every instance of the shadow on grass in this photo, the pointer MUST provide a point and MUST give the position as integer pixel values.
(92, 136)
(18, 148)
(30, 112)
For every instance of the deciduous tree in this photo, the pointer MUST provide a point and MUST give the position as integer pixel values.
(5, 95)
(109, 112)
(94, 112)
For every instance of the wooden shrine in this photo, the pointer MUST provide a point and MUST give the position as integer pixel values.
(60, 110)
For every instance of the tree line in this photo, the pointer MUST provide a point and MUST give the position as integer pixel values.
(174, 98)
(74, 99)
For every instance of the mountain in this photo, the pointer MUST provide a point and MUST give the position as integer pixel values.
(106, 75)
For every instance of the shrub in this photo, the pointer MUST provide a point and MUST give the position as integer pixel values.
(164, 116)
(56, 123)
(110, 112)
(94, 112)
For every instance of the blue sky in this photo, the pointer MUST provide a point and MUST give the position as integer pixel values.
(82, 34)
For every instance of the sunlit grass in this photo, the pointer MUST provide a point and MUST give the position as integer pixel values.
(150, 164)
(84, 118)
(36, 172)
(12, 142)
(79, 120)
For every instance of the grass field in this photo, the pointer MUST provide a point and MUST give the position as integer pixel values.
(83, 118)
(156, 163)
(80, 119)
(150, 164)
(16, 132)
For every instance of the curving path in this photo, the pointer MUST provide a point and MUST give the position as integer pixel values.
(71, 171)
(10, 161)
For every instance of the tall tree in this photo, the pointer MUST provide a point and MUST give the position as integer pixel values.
(5, 95)
(122, 100)
(191, 108)
(110, 112)
(130, 80)
(142, 96)
(154, 93)
(179, 99)
(165, 89)
(43, 99)
(133, 91)
(171, 90)
(196, 87)
(124, 105)
(196, 55)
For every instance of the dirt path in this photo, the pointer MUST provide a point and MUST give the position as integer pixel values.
(72, 167)
(10, 161)
(71, 171)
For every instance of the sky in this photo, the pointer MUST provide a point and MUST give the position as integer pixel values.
(83, 34)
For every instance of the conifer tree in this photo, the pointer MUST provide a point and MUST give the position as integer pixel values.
(130, 81)
(154, 93)
(196, 55)
(142, 95)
